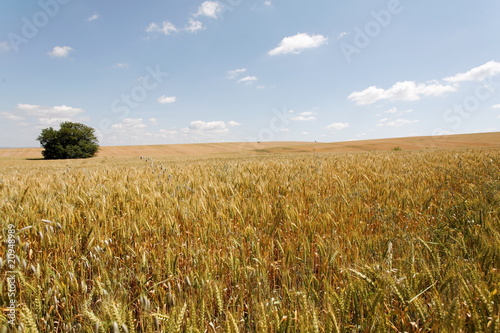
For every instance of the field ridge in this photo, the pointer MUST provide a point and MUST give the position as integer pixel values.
(405, 143)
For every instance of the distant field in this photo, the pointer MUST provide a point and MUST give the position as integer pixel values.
(243, 148)
(364, 241)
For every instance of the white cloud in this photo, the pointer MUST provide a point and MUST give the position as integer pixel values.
(93, 17)
(210, 128)
(27, 107)
(496, 106)
(248, 79)
(128, 131)
(152, 27)
(233, 123)
(10, 116)
(337, 126)
(153, 121)
(268, 3)
(66, 110)
(60, 51)
(166, 99)
(480, 73)
(298, 43)
(55, 111)
(194, 26)
(342, 35)
(401, 91)
(412, 91)
(391, 110)
(129, 124)
(209, 9)
(165, 28)
(396, 123)
(45, 115)
(234, 73)
(121, 65)
(4, 47)
(53, 121)
(203, 131)
(163, 134)
(304, 116)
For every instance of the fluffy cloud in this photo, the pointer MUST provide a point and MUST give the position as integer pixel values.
(412, 91)
(55, 111)
(232, 123)
(43, 115)
(496, 106)
(298, 43)
(209, 9)
(248, 79)
(234, 73)
(304, 116)
(60, 51)
(396, 123)
(129, 124)
(401, 91)
(165, 28)
(162, 134)
(337, 126)
(194, 26)
(479, 73)
(210, 128)
(128, 131)
(167, 100)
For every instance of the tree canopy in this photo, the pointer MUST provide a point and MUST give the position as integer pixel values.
(72, 140)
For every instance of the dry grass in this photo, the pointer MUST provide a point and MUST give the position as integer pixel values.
(350, 242)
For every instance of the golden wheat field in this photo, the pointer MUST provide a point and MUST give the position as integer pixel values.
(387, 241)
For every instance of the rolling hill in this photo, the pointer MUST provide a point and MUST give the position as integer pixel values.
(243, 148)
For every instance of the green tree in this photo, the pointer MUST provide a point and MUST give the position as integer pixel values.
(72, 140)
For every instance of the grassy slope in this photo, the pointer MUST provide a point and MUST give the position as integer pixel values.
(449, 141)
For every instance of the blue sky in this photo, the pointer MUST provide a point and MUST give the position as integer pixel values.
(160, 71)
